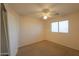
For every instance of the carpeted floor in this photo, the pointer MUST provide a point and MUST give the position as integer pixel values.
(46, 48)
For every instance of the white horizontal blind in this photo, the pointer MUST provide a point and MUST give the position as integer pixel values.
(63, 26)
(54, 27)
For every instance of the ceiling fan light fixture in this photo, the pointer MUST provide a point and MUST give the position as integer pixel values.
(45, 17)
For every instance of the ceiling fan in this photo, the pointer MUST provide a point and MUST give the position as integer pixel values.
(47, 13)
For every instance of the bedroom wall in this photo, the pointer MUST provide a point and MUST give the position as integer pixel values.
(70, 39)
(31, 30)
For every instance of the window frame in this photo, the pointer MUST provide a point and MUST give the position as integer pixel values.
(59, 27)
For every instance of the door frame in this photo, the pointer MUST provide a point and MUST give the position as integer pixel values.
(5, 24)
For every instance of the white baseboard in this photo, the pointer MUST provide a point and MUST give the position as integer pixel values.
(64, 45)
(30, 43)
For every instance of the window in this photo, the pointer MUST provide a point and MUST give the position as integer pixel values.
(61, 26)
(54, 27)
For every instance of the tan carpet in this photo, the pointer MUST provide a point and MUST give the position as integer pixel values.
(46, 48)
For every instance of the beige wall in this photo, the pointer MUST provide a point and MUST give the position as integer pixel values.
(13, 29)
(70, 39)
(31, 30)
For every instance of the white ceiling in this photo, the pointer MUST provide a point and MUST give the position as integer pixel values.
(37, 8)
